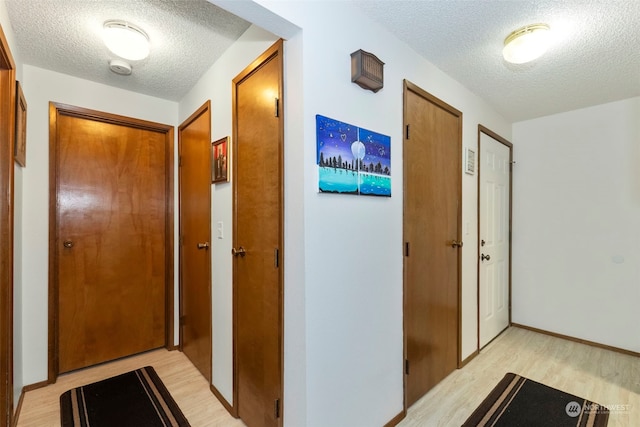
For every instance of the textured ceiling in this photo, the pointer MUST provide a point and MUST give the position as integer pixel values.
(595, 58)
(187, 37)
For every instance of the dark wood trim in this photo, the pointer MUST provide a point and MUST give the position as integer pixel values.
(52, 360)
(408, 86)
(56, 110)
(35, 386)
(469, 358)
(16, 415)
(223, 401)
(482, 129)
(277, 49)
(25, 389)
(396, 420)
(7, 138)
(578, 340)
(169, 340)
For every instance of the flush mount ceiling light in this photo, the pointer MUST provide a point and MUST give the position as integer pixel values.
(126, 40)
(526, 44)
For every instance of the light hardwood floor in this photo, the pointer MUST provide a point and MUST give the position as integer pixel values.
(41, 407)
(596, 374)
(600, 375)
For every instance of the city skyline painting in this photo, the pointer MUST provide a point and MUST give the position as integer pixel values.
(352, 160)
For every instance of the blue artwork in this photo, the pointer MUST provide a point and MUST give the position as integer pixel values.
(352, 160)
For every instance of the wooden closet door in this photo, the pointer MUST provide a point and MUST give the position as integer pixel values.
(111, 224)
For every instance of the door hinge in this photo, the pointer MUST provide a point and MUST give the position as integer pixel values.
(182, 320)
(407, 132)
(276, 408)
(277, 111)
(406, 248)
(180, 240)
(406, 366)
(277, 257)
(179, 161)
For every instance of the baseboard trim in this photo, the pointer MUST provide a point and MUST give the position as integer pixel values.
(29, 387)
(578, 340)
(395, 420)
(222, 400)
(468, 359)
(35, 386)
(16, 414)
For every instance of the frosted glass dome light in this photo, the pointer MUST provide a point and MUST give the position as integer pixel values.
(526, 44)
(126, 40)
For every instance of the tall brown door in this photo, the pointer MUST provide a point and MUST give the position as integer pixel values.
(7, 126)
(112, 195)
(194, 142)
(432, 187)
(258, 280)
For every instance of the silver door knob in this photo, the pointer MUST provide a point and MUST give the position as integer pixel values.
(204, 246)
(238, 252)
(67, 244)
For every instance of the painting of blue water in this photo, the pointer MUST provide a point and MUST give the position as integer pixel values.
(352, 160)
(334, 180)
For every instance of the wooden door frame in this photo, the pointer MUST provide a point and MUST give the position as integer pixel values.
(276, 49)
(7, 138)
(205, 108)
(56, 109)
(408, 86)
(509, 145)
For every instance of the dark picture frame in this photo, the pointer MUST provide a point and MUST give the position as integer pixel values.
(20, 140)
(220, 160)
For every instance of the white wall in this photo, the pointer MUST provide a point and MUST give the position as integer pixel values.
(40, 87)
(353, 287)
(576, 227)
(215, 85)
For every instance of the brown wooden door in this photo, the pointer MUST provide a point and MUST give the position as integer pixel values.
(432, 187)
(194, 142)
(258, 183)
(112, 195)
(7, 126)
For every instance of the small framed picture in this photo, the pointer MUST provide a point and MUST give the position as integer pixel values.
(470, 161)
(220, 160)
(20, 147)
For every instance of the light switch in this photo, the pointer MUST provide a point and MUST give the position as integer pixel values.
(220, 229)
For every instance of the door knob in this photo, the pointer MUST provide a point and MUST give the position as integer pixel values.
(456, 243)
(67, 244)
(483, 257)
(238, 252)
(204, 246)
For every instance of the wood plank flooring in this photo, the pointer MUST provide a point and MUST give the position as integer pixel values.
(41, 407)
(599, 375)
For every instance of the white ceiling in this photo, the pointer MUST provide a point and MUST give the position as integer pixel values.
(187, 37)
(596, 58)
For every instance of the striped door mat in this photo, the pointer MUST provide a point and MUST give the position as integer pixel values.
(135, 399)
(519, 401)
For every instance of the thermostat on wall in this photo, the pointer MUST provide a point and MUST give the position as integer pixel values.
(470, 161)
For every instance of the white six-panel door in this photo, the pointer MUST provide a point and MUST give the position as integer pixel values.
(494, 252)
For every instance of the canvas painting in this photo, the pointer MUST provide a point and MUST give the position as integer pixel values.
(352, 160)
